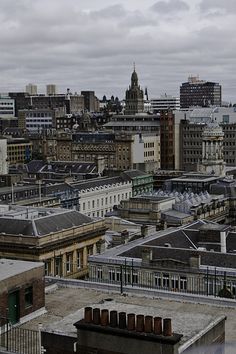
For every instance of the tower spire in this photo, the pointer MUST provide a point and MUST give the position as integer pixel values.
(134, 65)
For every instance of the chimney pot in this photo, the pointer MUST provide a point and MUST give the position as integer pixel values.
(122, 320)
(113, 318)
(131, 322)
(148, 324)
(104, 317)
(88, 314)
(157, 325)
(167, 327)
(140, 323)
(96, 316)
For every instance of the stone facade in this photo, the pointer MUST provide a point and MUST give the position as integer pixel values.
(134, 98)
(64, 249)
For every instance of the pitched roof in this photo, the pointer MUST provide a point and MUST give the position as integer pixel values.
(43, 225)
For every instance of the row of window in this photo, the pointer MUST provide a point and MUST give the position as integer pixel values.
(148, 153)
(149, 145)
(38, 114)
(160, 280)
(104, 201)
(56, 267)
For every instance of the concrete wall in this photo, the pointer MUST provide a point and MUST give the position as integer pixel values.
(57, 344)
(102, 343)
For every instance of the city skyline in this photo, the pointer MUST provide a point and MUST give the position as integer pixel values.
(87, 45)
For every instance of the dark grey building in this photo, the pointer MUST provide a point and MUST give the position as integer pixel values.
(201, 93)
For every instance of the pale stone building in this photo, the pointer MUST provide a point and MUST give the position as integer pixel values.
(60, 238)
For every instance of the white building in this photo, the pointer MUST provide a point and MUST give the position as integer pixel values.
(146, 152)
(98, 196)
(3, 157)
(7, 106)
(38, 120)
(165, 102)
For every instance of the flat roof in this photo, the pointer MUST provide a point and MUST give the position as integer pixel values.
(195, 178)
(9, 267)
(65, 307)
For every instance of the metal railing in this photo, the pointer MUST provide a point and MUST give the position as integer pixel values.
(208, 283)
(19, 340)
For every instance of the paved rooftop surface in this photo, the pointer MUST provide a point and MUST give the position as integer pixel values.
(187, 318)
(10, 268)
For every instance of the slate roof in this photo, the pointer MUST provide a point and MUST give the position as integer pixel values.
(43, 225)
(70, 167)
(214, 259)
(135, 173)
(178, 244)
(96, 182)
(35, 166)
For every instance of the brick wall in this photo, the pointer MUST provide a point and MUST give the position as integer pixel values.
(38, 297)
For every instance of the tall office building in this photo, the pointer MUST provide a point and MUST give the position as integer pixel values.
(51, 90)
(200, 93)
(31, 89)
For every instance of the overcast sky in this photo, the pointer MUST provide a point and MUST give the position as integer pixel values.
(92, 44)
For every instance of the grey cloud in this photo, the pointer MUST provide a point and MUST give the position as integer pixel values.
(170, 6)
(217, 6)
(94, 47)
(110, 12)
(137, 19)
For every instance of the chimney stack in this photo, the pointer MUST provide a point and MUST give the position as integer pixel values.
(96, 316)
(167, 327)
(130, 322)
(88, 314)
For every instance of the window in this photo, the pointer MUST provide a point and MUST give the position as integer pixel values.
(29, 296)
(69, 262)
(112, 274)
(157, 279)
(135, 277)
(118, 275)
(183, 283)
(47, 265)
(58, 263)
(166, 280)
(99, 273)
(174, 282)
(127, 277)
(79, 260)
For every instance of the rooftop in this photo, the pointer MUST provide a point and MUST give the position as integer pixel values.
(9, 267)
(29, 221)
(65, 307)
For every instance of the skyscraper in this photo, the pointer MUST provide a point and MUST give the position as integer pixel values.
(51, 90)
(200, 93)
(31, 89)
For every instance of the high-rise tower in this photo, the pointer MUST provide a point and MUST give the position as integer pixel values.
(134, 98)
